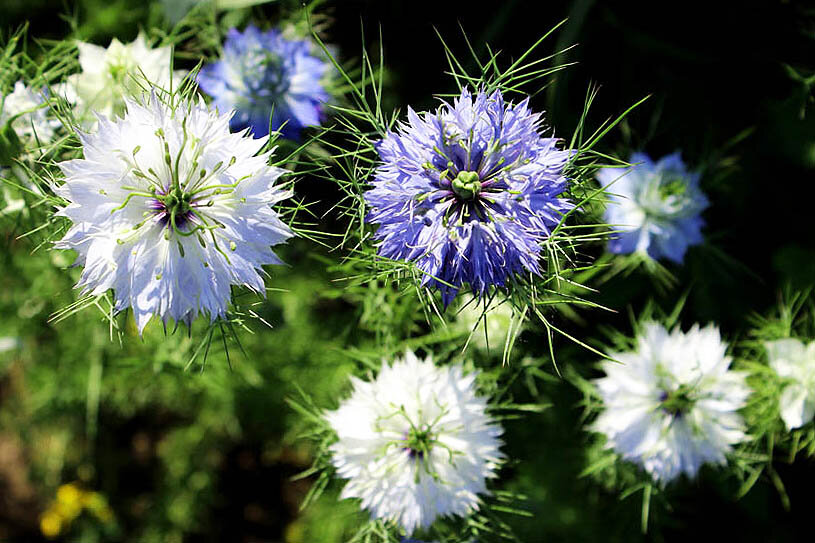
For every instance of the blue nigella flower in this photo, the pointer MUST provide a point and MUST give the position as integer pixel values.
(655, 207)
(468, 192)
(263, 74)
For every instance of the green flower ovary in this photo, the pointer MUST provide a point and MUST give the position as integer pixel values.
(176, 209)
(467, 185)
(118, 72)
(419, 441)
(677, 402)
(675, 186)
(177, 203)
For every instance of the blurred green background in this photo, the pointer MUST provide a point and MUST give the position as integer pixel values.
(134, 447)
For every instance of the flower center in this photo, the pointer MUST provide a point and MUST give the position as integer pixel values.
(677, 402)
(467, 185)
(118, 73)
(175, 205)
(673, 187)
(668, 198)
(275, 73)
(272, 63)
(266, 75)
(419, 441)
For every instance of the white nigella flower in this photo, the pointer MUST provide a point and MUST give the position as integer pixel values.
(795, 362)
(25, 110)
(416, 443)
(111, 75)
(671, 405)
(170, 210)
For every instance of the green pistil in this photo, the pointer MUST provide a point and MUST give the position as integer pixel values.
(177, 206)
(178, 203)
(467, 185)
(419, 441)
(673, 187)
(677, 402)
(118, 72)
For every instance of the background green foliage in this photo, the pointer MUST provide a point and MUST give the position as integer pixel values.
(207, 452)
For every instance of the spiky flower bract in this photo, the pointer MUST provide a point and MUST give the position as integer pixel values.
(490, 326)
(416, 443)
(111, 75)
(266, 77)
(794, 361)
(672, 404)
(170, 210)
(469, 192)
(655, 207)
(24, 111)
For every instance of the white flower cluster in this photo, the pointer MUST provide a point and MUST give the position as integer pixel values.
(169, 209)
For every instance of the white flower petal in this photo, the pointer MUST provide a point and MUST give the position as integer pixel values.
(794, 409)
(795, 362)
(786, 355)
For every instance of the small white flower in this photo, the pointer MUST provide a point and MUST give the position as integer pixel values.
(671, 405)
(795, 361)
(111, 75)
(416, 443)
(170, 210)
(29, 118)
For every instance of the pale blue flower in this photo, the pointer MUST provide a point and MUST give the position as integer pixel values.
(655, 207)
(264, 76)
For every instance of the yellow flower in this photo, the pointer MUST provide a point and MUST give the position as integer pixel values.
(69, 501)
(50, 524)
